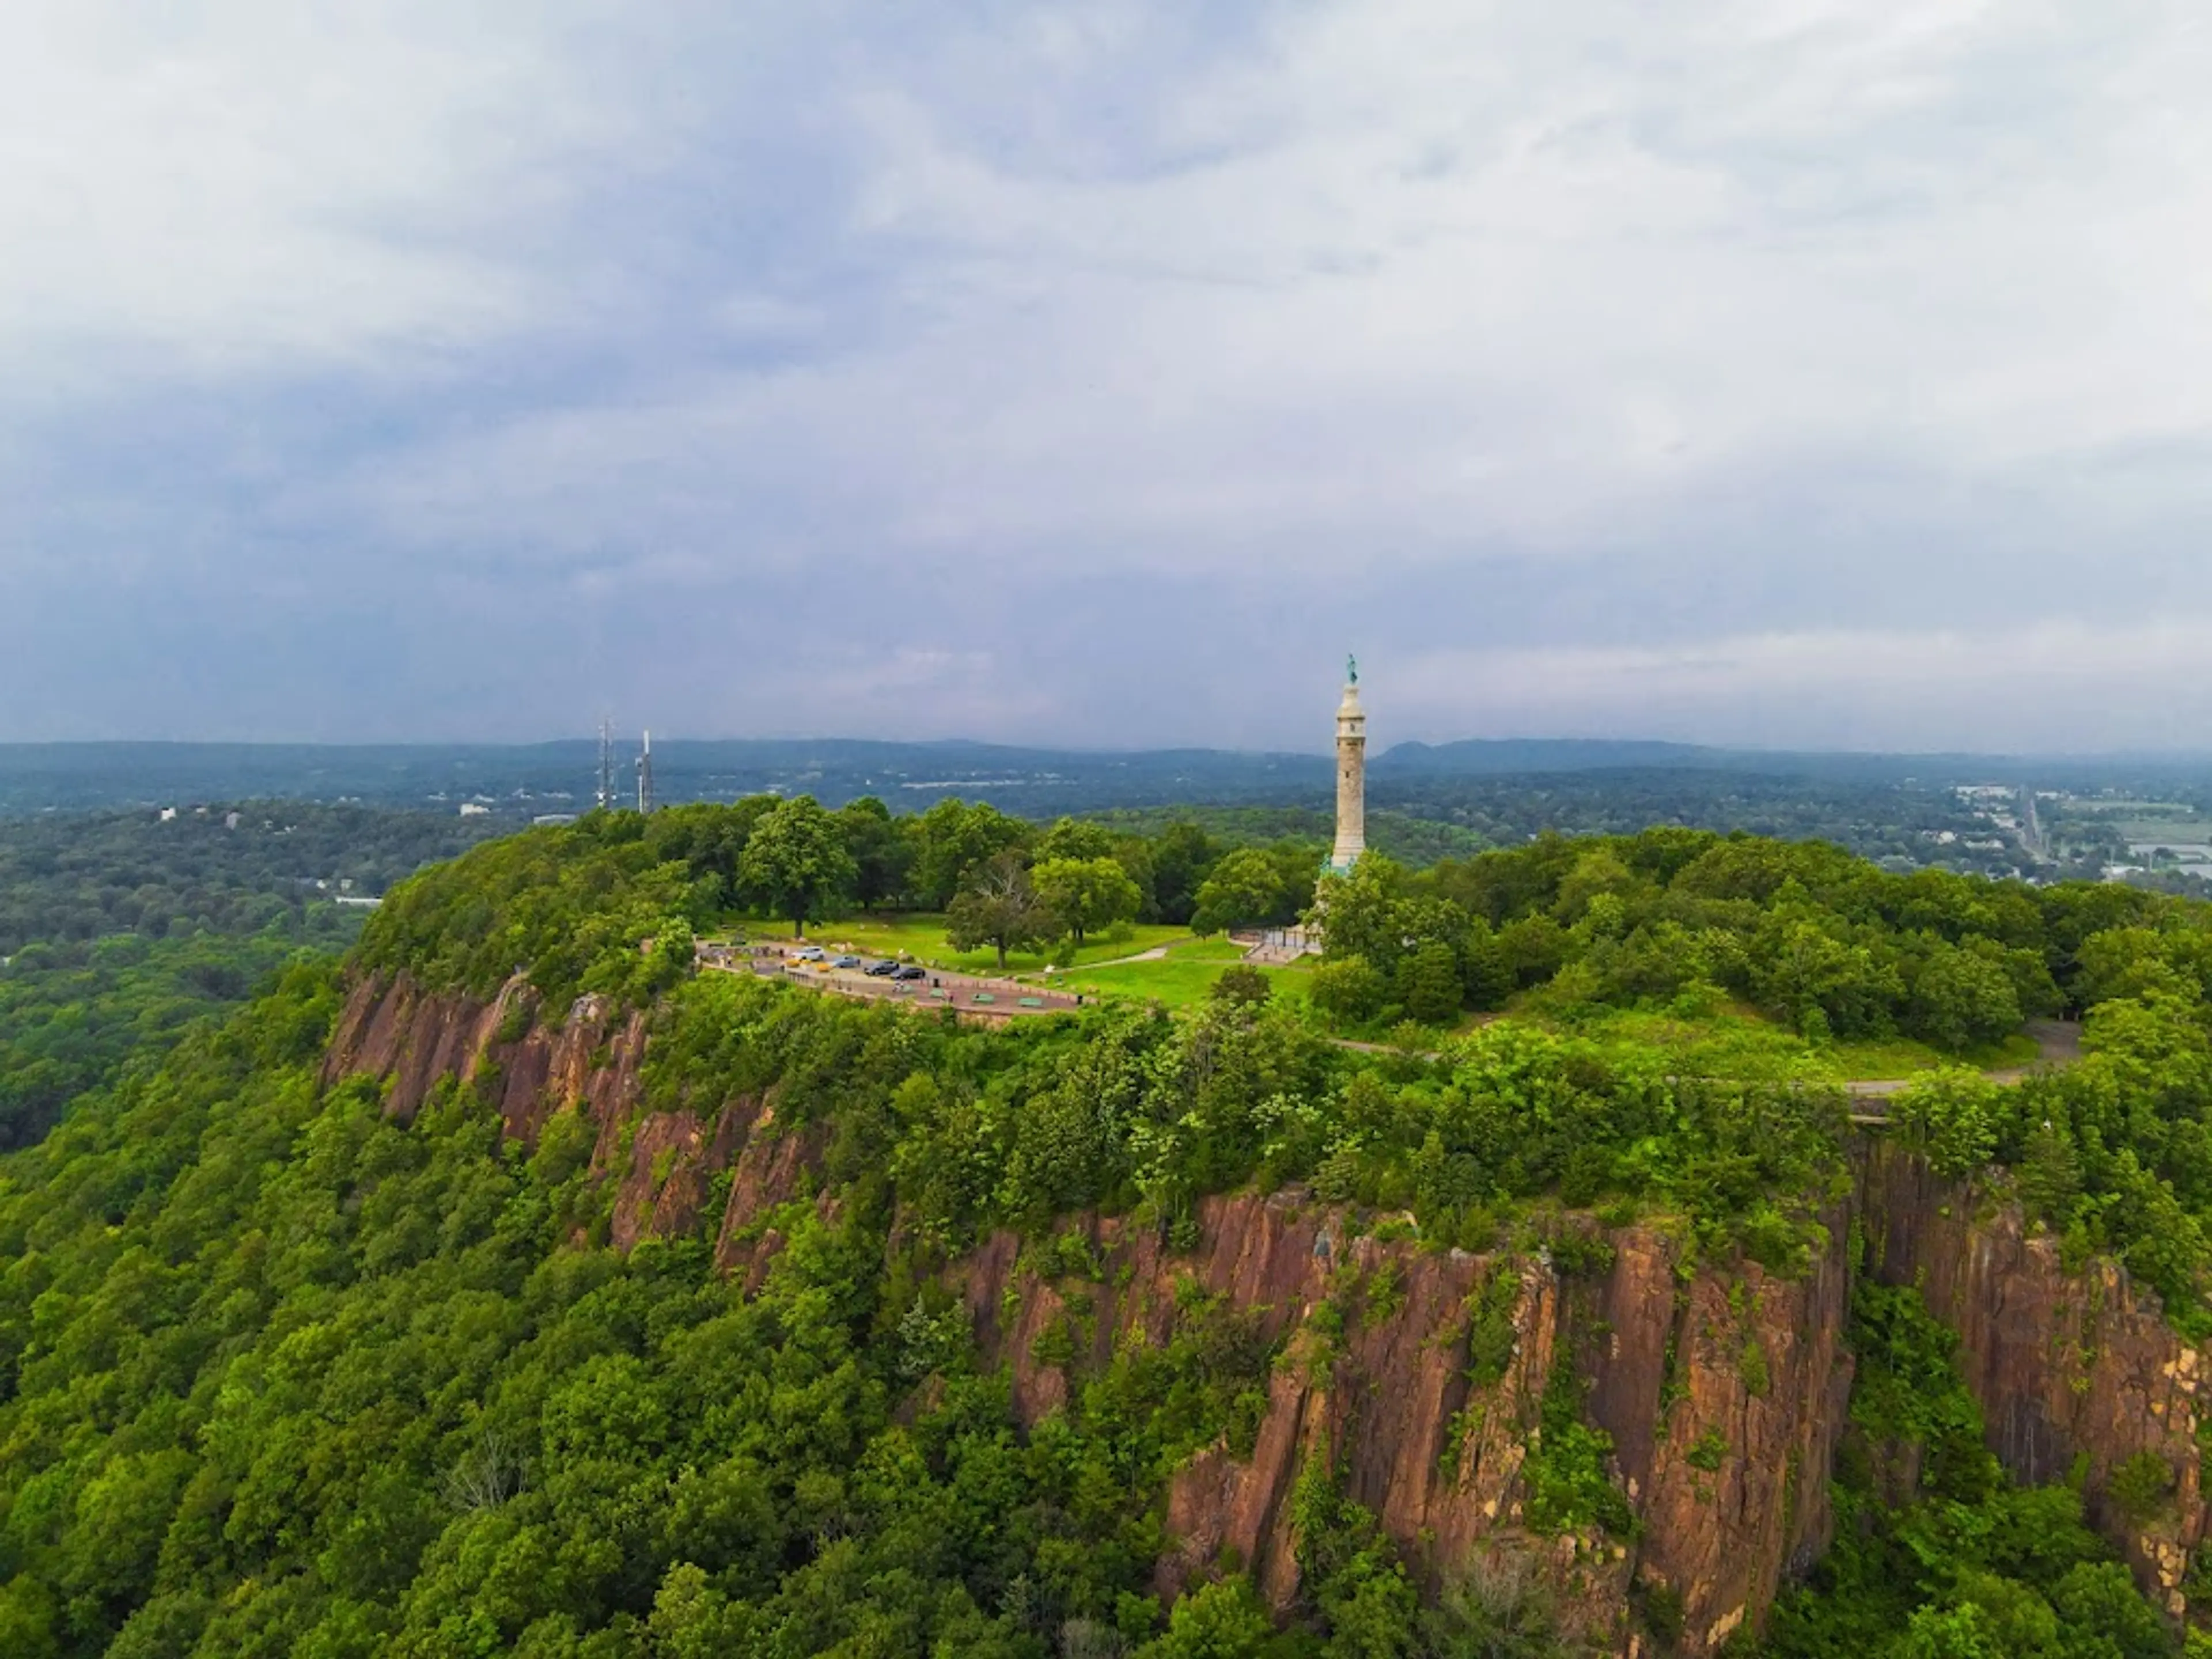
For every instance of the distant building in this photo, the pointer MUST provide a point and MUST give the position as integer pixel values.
(470, 809)
(230, 820)
(168, 815)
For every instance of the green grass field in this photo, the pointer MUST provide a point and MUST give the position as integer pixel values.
(1179, 979)
(1182, 977)
(1733, 1042)
(922, 936)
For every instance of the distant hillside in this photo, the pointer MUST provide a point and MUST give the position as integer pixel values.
(1503, 756)
(521, 781)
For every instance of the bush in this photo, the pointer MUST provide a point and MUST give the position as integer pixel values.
(2140, 1486)
(1242, 985)
(1349, 991)
(1951, 1116)
(1428, 985)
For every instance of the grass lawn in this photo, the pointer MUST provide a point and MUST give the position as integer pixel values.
(1180, 979)
(922, 936)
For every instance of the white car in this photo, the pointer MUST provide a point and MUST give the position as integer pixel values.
(809, 953)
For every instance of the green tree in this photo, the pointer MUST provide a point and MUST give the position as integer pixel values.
(883, 848)
(1084, 894)
(1224, 1620)
(1182, 855)
(1428, 984)
(796, 864)
(1361, 914)
(1962, 997)
(1952, 1117)
(1075, 838)
(954, 841)
(1001, 909)
(1348, 989)
(1243, 986)
(1245, 890)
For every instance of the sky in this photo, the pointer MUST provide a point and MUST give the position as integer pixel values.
(1803, 373)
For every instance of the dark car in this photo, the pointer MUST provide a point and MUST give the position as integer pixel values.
(911, 971)
(845, 962)
(882, 969)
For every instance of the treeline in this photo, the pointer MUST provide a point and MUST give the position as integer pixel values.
(117, 930)
(1678, 919)
(67, 880)
(69, 1017)
(567, 903)
(1894, 824)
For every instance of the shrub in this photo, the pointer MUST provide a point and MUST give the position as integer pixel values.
(1349, 991)
(1242, 985)
(2140, 1486)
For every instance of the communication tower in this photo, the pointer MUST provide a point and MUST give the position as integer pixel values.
(645, 776)
(606, 766)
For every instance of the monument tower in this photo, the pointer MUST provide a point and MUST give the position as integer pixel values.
(1351, 774)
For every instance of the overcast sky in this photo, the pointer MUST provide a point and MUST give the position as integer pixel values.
(1788, 372)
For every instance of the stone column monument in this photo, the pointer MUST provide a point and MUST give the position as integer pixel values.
(1351, 774)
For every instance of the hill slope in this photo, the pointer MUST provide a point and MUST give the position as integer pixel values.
(597, 1308)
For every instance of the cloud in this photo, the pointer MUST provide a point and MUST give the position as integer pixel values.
(1114, 341)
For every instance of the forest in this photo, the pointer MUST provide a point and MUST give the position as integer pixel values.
(282, 1374)
(119, 930)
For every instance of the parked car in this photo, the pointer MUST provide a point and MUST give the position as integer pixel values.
(912, 970)
(809, 953)
(882, 969)
(846, 962)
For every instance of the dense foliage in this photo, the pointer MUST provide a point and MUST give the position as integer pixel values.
(1827, 944)
(70, 1017)
(67, 880)
(117, 930)
(280, 1375)
(1968, 1566)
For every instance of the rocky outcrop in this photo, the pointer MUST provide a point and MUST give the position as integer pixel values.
(410, 1039)
(2068, 1367)
(1723, 1458)
(665, 1164)
(1723, 1389)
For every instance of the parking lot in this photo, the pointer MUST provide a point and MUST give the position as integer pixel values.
(967, 993)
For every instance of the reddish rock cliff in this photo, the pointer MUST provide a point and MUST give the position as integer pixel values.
(1724, 1458)
(664, 1162)
(1724, 1389)
(2065, 1365)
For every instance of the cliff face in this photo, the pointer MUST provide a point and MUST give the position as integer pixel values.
(1724, 1389)
(1723, 1458)
(663, 1163)
(2065, 1365)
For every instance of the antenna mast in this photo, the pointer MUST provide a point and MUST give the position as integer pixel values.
(645, 776)
(606, 766)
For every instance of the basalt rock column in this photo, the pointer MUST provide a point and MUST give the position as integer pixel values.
(1350, 776)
